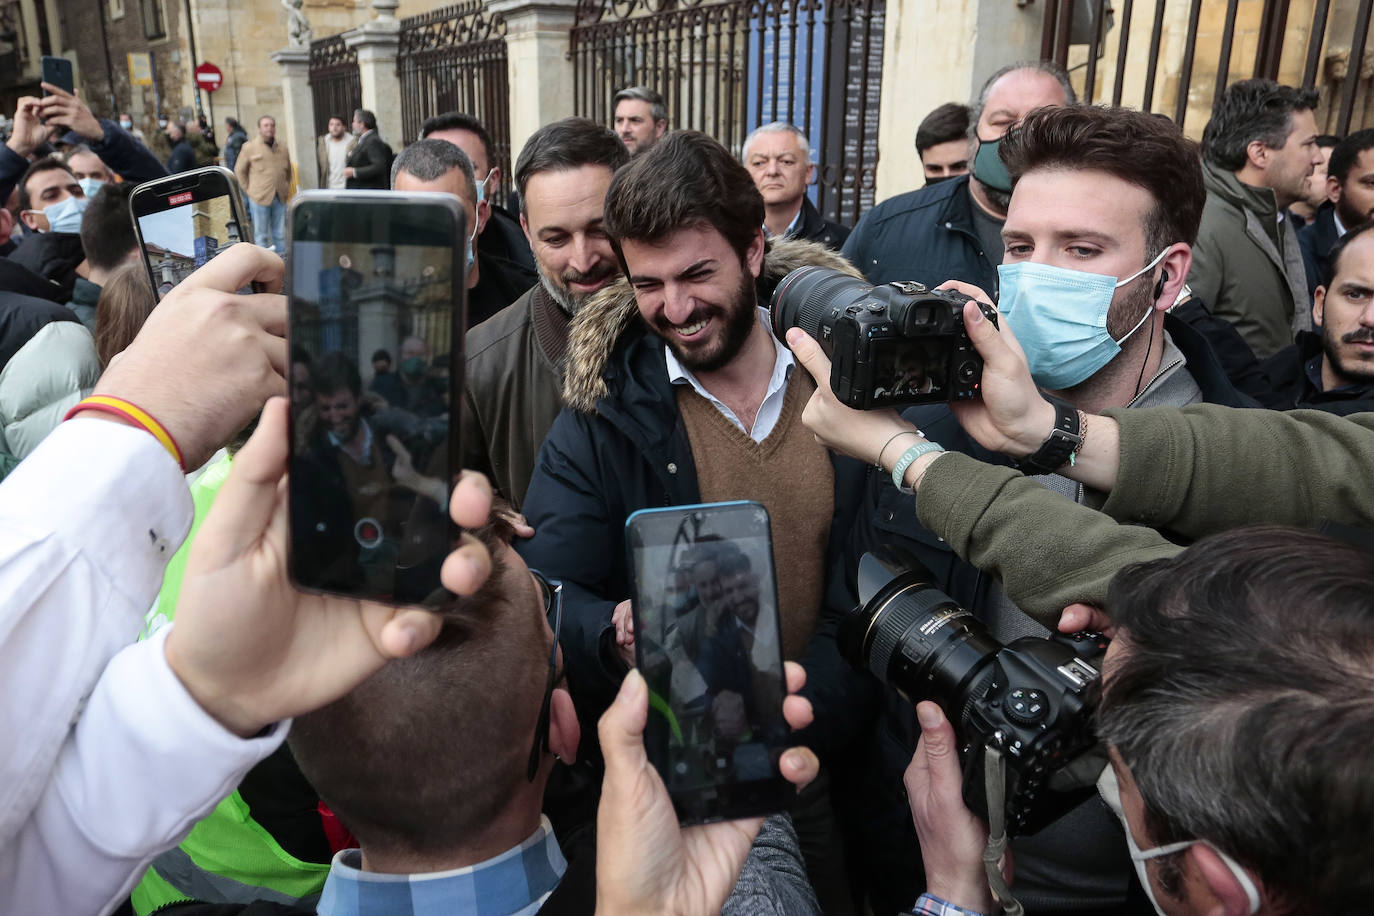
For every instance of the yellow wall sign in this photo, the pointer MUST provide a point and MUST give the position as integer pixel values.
(140, 69)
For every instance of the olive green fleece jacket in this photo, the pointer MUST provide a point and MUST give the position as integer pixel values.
(1193, 471)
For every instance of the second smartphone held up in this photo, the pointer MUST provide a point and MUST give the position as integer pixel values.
(184, 220)
(708, 643)
(376, 309)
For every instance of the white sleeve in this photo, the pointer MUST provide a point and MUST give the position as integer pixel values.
(87, 525)
(142, 765)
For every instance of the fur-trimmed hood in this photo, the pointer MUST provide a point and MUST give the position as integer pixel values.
(599, 325)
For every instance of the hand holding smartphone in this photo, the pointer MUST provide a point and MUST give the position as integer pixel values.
(376, 298)
(708, 643)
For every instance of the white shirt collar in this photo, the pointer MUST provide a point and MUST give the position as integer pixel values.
(783, 362)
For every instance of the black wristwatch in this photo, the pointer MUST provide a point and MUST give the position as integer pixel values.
(1063, 439)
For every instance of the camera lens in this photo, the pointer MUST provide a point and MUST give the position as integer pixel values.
(806, 295)
(915, 638)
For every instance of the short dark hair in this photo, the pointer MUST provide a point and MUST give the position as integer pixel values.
(1252, 110)
(657, 109)
(1347, 152)
(687, 179)
(381, 354)
(1239, 703)
(432, 159)
(1333, 260)
(334, 372)
(456, 120)
(948, 122)
(366, 118)
(107, 229)
(1134, 146)
(427, 751)
(568, 144)
(48, 163)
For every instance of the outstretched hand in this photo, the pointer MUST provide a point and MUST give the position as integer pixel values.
(1012, 416)
(646, 862)
(858, 433)
(249, 647)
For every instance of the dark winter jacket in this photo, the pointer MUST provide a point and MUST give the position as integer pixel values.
(926, 235)
(513, 390)
(813, 227)
(1294, 374)
(118, 149)
(1316, 240)
(182, 158)
(54, 256)
(371, 163)
(619, 446)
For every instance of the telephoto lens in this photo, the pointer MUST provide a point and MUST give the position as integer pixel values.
(809, 294)
(1031, 701)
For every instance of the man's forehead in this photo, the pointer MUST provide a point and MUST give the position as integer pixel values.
(1078, 201)
(582, 187)
(776, 143)
(468, 142)
(50, 178)
(1022, 91)
(632, 108)
(1356, 262)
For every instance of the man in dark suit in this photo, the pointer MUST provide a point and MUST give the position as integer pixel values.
(369, 165)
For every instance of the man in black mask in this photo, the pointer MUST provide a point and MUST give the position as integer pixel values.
(953, 229)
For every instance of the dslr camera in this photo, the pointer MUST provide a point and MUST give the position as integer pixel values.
(889, 345)
(1032, 700)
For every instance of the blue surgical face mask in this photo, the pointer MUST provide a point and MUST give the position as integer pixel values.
(482, 189)
(1059, 316)
(90, 185)
(125, 124)
(65, 215)
(1110, 790)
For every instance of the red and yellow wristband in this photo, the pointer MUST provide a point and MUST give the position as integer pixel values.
(135, 415)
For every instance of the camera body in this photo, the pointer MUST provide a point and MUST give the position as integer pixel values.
(1033, 699)
(890, 345)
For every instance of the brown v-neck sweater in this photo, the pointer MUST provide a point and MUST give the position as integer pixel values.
(791, 474)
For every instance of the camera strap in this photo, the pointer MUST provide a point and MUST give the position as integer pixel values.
(995, 784)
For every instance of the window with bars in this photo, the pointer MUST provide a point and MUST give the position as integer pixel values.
(154, 19)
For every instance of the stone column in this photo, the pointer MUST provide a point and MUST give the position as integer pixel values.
(541, 75)
(297, 126)
(377, 43)
(920, 74)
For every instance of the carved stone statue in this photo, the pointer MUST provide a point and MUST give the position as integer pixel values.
(298, 30)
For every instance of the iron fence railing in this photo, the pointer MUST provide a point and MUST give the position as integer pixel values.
(454, 59)
(1318, 44)
(726, 67)
(334, 82)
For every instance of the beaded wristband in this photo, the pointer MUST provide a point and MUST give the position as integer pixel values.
(103, 403)
(909, 456)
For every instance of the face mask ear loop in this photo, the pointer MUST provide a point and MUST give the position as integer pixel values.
(1149, 345)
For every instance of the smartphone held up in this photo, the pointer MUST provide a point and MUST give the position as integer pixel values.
(184, 220)
(708, 642)
(376, 305)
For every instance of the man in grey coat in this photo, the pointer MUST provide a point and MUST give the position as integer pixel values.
(1258, 151)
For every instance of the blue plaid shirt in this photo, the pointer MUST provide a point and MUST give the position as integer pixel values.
(515, 883)
(930, 905)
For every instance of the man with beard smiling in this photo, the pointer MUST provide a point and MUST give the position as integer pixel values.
(515, 359)
(1332, 369)
(678, 393)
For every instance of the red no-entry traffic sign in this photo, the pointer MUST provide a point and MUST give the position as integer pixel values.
(209, 77)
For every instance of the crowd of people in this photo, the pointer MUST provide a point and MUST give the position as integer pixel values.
(1165, 447)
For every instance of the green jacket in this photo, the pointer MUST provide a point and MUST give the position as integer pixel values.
(1192, 471)
(1247, 266)
(228, 855)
